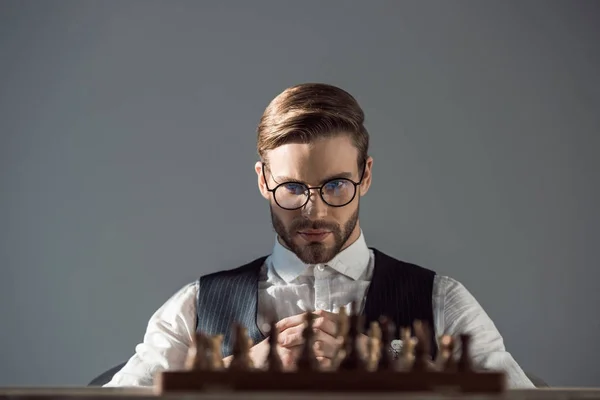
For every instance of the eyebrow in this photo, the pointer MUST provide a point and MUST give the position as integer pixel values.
(283, 179)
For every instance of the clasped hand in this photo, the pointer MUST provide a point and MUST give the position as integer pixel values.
(290, 340)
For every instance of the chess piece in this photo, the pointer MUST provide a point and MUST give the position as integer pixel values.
(307, 361)
(196, 359)
(422, 348)
(406, 357)
(216, 357)
(374, 346)
(341, 335)
(445, 361)
(353, 359)
(274, 363)
(465, 363)
(241, 350)
(386, 359)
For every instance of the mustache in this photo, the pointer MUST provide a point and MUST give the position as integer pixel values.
(303, 224)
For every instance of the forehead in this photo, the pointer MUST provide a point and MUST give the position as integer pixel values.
(311, 162)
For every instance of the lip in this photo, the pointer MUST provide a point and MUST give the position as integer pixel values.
(314, 235)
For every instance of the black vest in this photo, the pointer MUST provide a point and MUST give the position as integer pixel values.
(399, 290)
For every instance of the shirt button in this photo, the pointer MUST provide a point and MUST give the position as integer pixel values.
(321, 268)
(321, 306)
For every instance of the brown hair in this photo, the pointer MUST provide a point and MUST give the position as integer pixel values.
(309, 111)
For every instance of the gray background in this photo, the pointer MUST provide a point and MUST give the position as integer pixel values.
(128, 142)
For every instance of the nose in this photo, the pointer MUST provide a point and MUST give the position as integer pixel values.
(315, 207)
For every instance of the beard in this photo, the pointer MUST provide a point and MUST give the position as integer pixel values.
(316, 252)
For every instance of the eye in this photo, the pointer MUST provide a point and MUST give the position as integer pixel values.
(294, 188)
(336, 186)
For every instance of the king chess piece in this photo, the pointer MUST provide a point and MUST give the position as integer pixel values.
(406, 358)
(373, 346)
(422, 348)
(197, 359)
(353, 359)
(216, 357)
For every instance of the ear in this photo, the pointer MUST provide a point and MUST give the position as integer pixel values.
(367, 176)
(262, 186)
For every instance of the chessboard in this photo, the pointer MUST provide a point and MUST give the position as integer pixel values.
(354, 370)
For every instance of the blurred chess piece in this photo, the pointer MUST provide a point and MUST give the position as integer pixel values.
(406, 358)
(422, 348)
(465, 364)
(215, 357)
(196, 359)
(274, 363)
(241, 350)
(342, 327)
(307, 361)
(386, 359)
(446, 361)
(373, 346)
(353, 359)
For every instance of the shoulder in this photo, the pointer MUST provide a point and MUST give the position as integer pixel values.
(250, 267)
(385, 260)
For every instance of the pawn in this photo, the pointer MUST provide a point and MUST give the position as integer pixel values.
(373, 346)
(465, 364)
(446, 361)
(196, 359)
(241, 350)
(406, 358)
(307, 361)
(386, 360)
(274, 363)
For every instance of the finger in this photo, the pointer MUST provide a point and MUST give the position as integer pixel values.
(325, 345)
(291, 336)
(289, 322)
(326, 325)
(329, 315)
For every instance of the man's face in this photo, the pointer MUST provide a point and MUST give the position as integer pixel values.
(317, 231)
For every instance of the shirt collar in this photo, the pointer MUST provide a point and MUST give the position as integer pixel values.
(352, 261)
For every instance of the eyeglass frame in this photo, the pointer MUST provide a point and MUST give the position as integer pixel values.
(320, 189)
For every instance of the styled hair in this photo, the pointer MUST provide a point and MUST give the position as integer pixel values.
(305, 112)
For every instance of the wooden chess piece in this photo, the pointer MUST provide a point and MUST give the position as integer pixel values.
(307, 361)
(342, 327)
(446, 361)
(386, 360)
(196, 359)
(241, 350)
(353, 359)
(216, 357)
(406, 357)
(465, 364)
(274, 363)
(374, 346)
(422, 348)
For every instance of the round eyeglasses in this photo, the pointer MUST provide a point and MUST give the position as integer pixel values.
(336, 192)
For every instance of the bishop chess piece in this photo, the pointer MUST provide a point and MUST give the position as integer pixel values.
(307, 360)
(386, 360)
(197, 359)
(241, 350)
(353, 359)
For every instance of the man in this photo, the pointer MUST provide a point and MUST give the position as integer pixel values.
(314, 167)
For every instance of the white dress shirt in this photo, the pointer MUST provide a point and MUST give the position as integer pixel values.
(288, 287)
